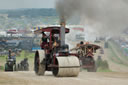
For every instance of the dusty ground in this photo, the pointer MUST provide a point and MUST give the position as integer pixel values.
(84, 78)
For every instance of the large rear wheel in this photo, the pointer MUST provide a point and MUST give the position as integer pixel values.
(8, 68)
(39, 67)
(89, 62)
(93, 68)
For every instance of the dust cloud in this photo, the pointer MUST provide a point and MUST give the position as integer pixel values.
(100, 17)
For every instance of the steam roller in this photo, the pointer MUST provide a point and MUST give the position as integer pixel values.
(54, 54)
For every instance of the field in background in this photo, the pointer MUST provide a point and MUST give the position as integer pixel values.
(116, 54)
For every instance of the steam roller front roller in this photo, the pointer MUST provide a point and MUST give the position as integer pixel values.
(39, 67)
(66, 67)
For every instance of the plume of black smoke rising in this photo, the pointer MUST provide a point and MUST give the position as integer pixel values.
(107, 17)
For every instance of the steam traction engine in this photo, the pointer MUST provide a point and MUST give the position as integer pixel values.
(55, 55)
(85, 54)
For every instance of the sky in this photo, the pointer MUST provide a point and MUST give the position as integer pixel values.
(16, 4)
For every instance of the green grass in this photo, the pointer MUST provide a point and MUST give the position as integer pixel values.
(104, 70)
(2, 59)
(102, 66)
(25, 54)
(2, 62)
(119, 50)
(1, 68)
(101, 70)
(113, 56)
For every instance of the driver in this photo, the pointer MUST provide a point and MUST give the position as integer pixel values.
(12, 55)
(43, 40)
(9, 53)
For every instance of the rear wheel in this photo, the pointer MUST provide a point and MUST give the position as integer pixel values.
(39, 67)
(90, 63)
(8, 68)
(93, 68)
(26, 67)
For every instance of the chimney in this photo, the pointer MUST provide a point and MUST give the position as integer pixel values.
(62, 31)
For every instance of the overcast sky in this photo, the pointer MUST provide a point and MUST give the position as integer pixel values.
(14, 4)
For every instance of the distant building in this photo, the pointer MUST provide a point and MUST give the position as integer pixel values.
(4, 16)
(3, 33)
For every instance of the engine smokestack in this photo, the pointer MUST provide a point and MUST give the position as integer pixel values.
(62, 31)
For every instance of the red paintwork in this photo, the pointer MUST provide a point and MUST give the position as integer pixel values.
(48, 46)
(87, 66)
(79, 29)
(54, 30)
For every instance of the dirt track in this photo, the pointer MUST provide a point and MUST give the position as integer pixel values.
(84, 78)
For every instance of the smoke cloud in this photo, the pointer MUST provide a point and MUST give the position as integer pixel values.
(104, 17)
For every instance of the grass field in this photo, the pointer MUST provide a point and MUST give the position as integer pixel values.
(113, 56)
